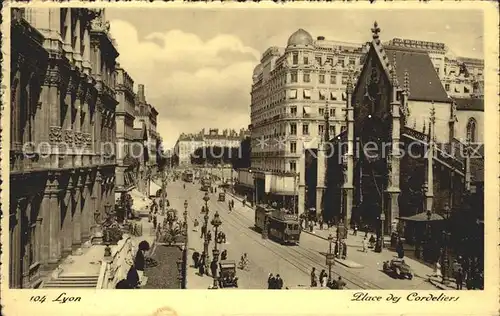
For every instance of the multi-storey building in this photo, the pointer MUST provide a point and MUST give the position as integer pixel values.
(62, 112)
(125, 136)
(187, 143)
(292, 88)
(462, 77)
(146, 119)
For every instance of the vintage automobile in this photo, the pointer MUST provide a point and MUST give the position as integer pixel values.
(222, 197)
(398, 268)
(227, 275)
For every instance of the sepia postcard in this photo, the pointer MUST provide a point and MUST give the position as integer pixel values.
(169, 146)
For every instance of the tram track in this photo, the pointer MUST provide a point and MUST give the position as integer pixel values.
(297, 256)
(316, 258)
(306, 260)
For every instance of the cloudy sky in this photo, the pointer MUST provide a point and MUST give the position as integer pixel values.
(197, 64)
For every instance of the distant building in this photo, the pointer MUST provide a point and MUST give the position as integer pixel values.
(188, 143)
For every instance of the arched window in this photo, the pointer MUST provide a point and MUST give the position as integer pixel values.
(471, 130)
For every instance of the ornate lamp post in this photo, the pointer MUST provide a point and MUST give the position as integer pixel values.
(185, 215)
(446, 235)
(107, 249)
(206, 198)
(179, 269)
(330, 257)
(216, 222)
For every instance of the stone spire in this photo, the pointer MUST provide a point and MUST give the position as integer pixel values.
(406, 84)
(326, 132)
(394, 77)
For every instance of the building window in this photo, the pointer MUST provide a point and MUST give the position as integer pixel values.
(330, 61)
(437, 70)
(471, 130)
(321, 111)
(342, 128)
(318, 60)
(293, 129)
(321, 129)
(292, 94)
(321, 78)
(342, 63)
(333, 79)
(306, 60)
(352, 61)
(293, 77)
(344, 79)
(293, 147)
(305, 129)
(293, 166)
(447, 87)
(332, 113)
(307, 77)
(293, 110)
(333, 131)
(295, 58)
(307, 94)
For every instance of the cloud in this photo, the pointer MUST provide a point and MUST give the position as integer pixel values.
(191, 82)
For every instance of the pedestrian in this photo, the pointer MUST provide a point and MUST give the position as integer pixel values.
(203, 231)
(201, 264)
(278, 282)
(340, 283)
(213, 268)
(355, 232)
(209, 236)
(371, 241)
(270, 281)
(437, 269)
(459, 278)
(140, 260)
(366, 230)
(314, 279)
(195, 225)
(365, 246)
(322, 278)
(155, 221)
(196, 258)
(223, 255)
(344, 250)
(399, 248)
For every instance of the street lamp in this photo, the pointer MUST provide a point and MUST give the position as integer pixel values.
(107, 249)
(185, 215)
(216, 222)
(330, 258)
(206, 198)
(446, 235)
(179, 269)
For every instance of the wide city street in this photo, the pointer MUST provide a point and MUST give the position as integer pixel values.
(293, 263)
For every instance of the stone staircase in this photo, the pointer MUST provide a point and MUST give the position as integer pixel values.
(72, 281)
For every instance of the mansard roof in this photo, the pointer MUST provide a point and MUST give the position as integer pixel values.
(425, 84)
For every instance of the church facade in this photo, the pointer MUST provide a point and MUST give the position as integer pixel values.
(410, 153)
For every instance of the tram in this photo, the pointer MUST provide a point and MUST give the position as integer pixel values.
(187, 176)
(282, 226)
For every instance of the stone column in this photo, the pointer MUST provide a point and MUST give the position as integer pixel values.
(15, 109)
(87, 213)
(77, 217)
(429, 194)
(393, 162)
(54, 218)
(67, 45)
(302, 179)
(67, 225)
(77, 55)
(320, 184)
(348, 184)
(15, 247)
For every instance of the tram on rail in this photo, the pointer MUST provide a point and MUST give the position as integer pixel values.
(188, 176)
(281, 226)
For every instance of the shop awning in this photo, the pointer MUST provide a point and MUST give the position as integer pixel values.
(333, 95)
(322, 93)
(422, 217)
(140, 201)
(292, 94)
(153, 188)
(307, 110)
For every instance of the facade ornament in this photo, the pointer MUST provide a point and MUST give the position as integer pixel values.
(394, 77)
(55, 134)
(414, 123)
(423, 131)
(389, 170)
(68, 136)
(375, 31)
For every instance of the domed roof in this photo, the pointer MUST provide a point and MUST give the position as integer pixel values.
(300, 37)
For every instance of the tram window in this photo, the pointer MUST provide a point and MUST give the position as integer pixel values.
(296, 227)
(290, 226)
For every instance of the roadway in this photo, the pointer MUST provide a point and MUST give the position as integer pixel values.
(293, 263)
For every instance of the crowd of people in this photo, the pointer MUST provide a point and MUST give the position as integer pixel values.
(324, 281)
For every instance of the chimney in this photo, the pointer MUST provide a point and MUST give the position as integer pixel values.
(321, 38)
(140, 93)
